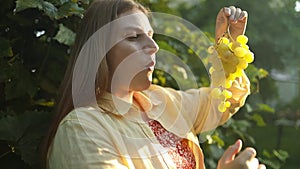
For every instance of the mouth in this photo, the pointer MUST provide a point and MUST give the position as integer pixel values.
(150, 66)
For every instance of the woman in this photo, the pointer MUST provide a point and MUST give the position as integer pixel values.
(122, 120)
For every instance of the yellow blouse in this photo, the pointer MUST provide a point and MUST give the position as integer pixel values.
(114, 135)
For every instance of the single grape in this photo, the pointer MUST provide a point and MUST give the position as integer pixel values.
(243, 64)
(249, 57)
(227, 104)
(242, 39)
(224, 40)
(231, 76)
(235, 45)
(227, 94)
(240, 52)
(155, 81)
(228, 83)
(225, 55)
(211, 50)
(234, 60)
(228, 67)
(211, 70)
(222, 107)
(223, 47)
(245, 46)
(216, 93)
(239, 72)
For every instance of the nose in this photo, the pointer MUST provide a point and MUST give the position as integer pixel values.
(150, 46)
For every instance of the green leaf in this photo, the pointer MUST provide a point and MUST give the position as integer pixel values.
(56, 2)
(258, 119)
(265, 108)
(65, 35)
(164, 45)
(69, 9)
(218, 140)
(262, 73)
(63, 1)
(272, 158)
(25, 4)
(267, 154)
(281, 154)
(5, 48)
(254, 73)
(49, 9)
(270, 163)
(43, 102)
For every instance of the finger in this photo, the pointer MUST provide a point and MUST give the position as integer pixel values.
(262, 166)
(237, 15)
(227, 11)
(248, 154)
(243, 15)
(232, 150)
(232, 12)
(253, 163)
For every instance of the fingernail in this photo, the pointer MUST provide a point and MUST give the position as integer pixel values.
(251, 150)
(226, 10)
(238, 142)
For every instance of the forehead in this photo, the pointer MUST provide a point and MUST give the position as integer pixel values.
(132, 20)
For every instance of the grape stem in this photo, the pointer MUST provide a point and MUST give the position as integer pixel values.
(228, 33)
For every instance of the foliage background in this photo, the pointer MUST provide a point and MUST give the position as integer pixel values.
(35, 40)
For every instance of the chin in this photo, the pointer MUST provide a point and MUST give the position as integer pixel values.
(141, 82)
(141, 87)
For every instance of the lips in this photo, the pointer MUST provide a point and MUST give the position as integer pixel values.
(150, 65)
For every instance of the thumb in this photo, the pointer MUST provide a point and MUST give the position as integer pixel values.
(232, 151)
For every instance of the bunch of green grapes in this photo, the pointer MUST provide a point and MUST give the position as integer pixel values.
(229, 63)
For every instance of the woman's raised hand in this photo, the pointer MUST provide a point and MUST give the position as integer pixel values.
(245, 160)
(233, 17)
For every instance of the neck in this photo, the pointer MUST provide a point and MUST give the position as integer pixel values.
(124, 95)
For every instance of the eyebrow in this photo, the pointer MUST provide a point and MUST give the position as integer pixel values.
(139, 29)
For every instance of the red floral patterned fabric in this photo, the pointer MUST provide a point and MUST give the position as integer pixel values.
(180, 152)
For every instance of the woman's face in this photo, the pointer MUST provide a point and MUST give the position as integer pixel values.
(131, 60)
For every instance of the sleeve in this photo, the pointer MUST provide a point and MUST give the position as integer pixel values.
(83, 145)
(240, 91)
(198, 109)
(208, 116)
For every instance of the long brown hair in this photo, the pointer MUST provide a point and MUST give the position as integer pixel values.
(99, 13)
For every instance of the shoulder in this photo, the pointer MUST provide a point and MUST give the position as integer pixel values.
(84, 115)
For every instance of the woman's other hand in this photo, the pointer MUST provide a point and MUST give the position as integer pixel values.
(245, 160)
(231, 16)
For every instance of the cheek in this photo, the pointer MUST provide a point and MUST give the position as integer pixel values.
(114, 58)
(119, 53)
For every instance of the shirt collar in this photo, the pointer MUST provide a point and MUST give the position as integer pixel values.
(118, 106)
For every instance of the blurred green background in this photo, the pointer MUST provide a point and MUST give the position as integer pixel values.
(35, 40)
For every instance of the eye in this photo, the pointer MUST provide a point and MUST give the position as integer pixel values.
(133, 37)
